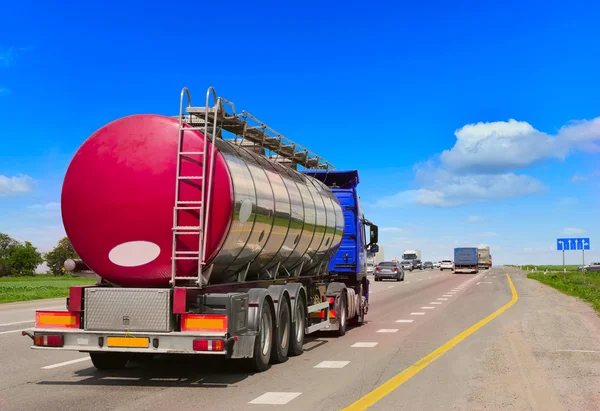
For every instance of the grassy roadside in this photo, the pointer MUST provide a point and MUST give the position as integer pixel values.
(38, 287)
(573, 284)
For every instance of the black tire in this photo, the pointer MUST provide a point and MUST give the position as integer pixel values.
(360, 318)
(342, 315)
(281, 336)
(297, 337)
(398, 279)
(263, 345)
(109, 360)
(402, 277)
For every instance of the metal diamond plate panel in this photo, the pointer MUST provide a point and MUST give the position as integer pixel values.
(127, 309)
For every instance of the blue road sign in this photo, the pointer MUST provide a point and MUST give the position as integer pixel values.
(565, 244)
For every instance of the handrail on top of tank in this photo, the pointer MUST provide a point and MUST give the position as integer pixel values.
(283, 139)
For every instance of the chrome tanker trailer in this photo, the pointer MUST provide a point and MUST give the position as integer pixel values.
(209, 233)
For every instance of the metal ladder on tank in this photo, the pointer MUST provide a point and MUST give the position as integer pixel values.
(204, 181)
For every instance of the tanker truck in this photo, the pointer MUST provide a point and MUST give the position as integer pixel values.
(210, 234)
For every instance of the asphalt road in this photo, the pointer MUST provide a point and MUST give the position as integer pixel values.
(542, 353)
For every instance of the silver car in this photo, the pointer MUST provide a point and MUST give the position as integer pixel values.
(389, 269)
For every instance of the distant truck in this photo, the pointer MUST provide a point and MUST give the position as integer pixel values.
(466, 260)
(411, 255)
(484, 257)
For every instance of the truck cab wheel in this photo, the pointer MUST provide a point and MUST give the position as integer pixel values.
(297, 337)
(263, 343)
(281, 336)
(109, 360)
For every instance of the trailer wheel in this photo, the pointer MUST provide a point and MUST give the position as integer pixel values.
(281, 336)
(342, 317)
(263, 343)
(109, 360)
(297, 345)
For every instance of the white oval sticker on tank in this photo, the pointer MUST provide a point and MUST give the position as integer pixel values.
(134, 253)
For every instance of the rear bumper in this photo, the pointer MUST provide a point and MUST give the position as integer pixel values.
(158, 343)
(388, 275)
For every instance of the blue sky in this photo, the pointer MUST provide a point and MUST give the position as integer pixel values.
(418, 97)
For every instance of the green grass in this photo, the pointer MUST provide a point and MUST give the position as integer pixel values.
(530, 267)
(573, 284)
(38, 287)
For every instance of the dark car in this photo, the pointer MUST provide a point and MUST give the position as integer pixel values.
(417, 265)
(407, 265)
(389, 269)
(427, 264)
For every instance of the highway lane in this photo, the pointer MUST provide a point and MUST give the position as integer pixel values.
(407, 320)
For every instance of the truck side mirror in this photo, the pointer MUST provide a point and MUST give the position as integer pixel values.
(374, 248)
(374, 232)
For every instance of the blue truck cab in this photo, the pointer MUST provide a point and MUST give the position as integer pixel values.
(351, 258)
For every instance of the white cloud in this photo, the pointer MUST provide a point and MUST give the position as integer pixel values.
(487, 234)
(568, 201)
(475, 219)
(7, 56)
(392, 230)
(15, 185)
(502, 146)
(572, 231)
(48, 206)
(578, 178)
(441, 188)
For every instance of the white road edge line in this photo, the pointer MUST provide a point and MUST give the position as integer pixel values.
(275, 398)
(14, 331)
(18, 322)
(62, 364)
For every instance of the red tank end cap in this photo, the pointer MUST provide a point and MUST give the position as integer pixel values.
(118, 197)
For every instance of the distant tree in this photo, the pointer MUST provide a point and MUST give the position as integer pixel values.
(24, 259)
(57, 257)
(8, 246)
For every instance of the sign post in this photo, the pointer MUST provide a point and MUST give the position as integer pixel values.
(566, 244)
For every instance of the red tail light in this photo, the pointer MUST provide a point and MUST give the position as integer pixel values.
(45, 340)
(208, 345)
(395, 269)
(378, 269)
(331, 300)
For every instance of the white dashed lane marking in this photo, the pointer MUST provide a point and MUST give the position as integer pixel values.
(275, 398)
(427, 308)
(364, 345)
(417, 313)
(446, 295)
(62, 364)
(388, 330)
(442, 299)
(435, 302)
(404, 321)
(332, 364)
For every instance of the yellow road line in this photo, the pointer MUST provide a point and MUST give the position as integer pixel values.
(395, 382)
